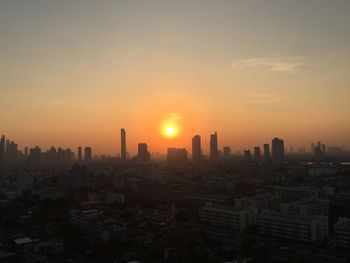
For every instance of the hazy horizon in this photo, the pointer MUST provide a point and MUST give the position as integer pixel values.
(75, 72)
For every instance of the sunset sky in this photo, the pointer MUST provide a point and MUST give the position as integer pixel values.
(75, 72)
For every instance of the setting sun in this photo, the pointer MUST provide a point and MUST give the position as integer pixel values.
(170, 130)
(170, 127)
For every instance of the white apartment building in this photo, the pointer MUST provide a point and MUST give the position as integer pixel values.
(291, 193)
(342, 232)
(306, 229)
(306, 207)
(226, 217)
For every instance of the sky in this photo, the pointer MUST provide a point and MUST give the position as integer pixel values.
(73, 72)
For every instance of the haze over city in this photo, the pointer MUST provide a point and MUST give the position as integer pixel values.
(75, 72)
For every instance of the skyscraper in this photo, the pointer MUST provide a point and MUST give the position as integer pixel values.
(80, 154)
(257, 154)
(123, 144)
(214, 146)
(88, 154)
(26, 151)
(277, 151)
(227, 152)
(2, 149)
(247, 156)
(34, 156)
(196, 148)
(142, 153)
(266, 152)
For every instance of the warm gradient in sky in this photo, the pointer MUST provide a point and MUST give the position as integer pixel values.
(75, 72)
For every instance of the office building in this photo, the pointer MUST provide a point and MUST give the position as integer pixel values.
(266, 152)
(227, 152)
(342, 232)
(26, 151)
(34, 156)
(304, 229)
(247, 156)
(226, 217)
(214, 147)
(142, 153)
(88, 154)
(196, 149)
(277, 151)
(176, 155)
(123, 144)
(80, 154)
(257, 154)
(2, 149)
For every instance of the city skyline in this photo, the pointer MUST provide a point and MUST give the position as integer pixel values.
(77, 71)
(214, 150)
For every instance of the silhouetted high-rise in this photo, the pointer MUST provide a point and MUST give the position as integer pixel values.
(266, 152)
(34, 156)
(2, 149)
(247, 156)
(123, 144)
(196, 148)
(277, 151)
(214, 146)
(227, 152)
(26, 151)
(176, 155)
(80, 154)
(257, 154)
(142, 153)
(88, 154)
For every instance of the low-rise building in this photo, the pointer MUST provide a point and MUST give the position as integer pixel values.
(226, 217)
(342, 232)
(306, 207)
(292, 193)
(269, 202)
(305, 229)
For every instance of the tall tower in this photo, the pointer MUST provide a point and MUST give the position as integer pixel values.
(266, 152)
(88, 154)
(257, 154)
(143, 154)
(214, 146)
(2, 149)
(123, 144)
(277, 151)
(80, 154)
(196, 148)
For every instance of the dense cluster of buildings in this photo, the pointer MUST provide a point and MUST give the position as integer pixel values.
(60, 206)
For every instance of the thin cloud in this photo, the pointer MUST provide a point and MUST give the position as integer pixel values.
(277, 64)
(265, 98)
